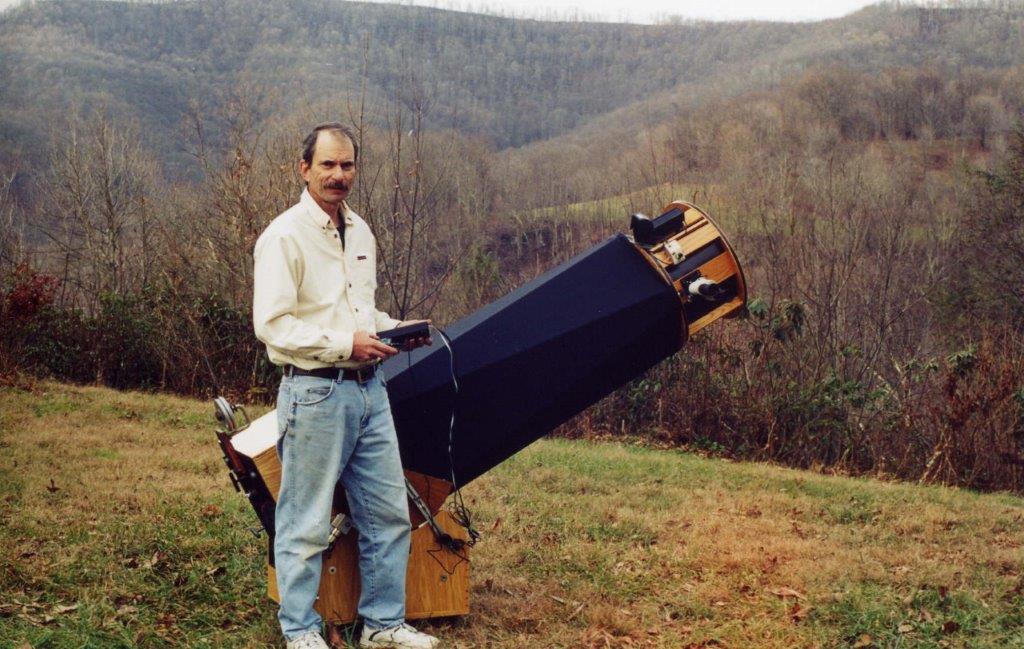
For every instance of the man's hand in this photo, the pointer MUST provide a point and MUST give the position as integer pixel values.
(368, 347)
(413, 343)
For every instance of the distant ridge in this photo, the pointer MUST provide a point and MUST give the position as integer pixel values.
(511, 81)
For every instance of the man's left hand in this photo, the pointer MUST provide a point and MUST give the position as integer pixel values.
(413, 343)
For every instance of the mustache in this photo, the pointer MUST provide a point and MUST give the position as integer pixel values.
(342, 186)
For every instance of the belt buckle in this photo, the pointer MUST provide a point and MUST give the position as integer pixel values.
(362, 376)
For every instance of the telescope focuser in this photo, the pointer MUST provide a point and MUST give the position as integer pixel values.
(648, 232)
(706, 288)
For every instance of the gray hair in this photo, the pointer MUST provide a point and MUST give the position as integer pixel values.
(309, 143)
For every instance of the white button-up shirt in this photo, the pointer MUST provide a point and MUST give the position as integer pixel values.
(310, 297)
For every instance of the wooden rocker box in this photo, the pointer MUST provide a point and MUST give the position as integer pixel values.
(437, 581)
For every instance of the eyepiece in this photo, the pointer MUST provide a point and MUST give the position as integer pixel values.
(706, 288)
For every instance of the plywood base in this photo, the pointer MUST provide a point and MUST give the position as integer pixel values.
(437, 581)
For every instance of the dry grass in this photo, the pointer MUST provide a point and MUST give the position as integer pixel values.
(120, 529)
(615, 209)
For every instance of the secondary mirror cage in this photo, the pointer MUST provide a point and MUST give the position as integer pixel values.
(697, 260)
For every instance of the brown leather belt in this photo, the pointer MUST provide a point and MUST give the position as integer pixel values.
(360, 375)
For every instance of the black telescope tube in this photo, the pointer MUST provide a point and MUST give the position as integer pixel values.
(532, 360)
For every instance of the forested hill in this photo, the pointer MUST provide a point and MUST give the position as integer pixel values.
(512, 81)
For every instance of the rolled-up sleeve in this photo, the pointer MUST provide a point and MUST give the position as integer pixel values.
(277, 275)
(384, 322)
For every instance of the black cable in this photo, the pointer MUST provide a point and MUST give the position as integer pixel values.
(457, 508)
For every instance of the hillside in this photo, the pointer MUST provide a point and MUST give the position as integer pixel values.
(510, 81)
(120, 529)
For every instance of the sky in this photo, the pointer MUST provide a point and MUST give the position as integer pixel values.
(642, 11)
(650, 11)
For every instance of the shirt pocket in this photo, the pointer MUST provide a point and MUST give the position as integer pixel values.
(363, 282)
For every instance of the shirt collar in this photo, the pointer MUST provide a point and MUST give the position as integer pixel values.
(319, 216)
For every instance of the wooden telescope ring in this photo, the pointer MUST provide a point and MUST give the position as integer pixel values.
(700, 249)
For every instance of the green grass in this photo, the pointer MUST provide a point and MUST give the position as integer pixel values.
(615, 209)
(120, 529)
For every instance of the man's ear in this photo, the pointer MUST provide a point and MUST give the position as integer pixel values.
(304, 170)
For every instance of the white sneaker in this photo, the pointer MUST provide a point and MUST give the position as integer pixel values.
(403, 636)
(308, 640)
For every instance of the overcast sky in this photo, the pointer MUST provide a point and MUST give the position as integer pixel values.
(641, 11)
(647, 11)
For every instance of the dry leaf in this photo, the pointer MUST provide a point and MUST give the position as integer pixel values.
(798, 612)
(785, 592)
(863, 642)
(579, 609)
(125, 609)
(166, 620)
(905, 628)
(949, 626)
(60, 610)
(211, 511)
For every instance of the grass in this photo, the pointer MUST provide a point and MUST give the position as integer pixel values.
(119, 529)
(615, 209)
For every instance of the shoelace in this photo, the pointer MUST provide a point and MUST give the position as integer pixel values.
(393, 629)
(307, 642)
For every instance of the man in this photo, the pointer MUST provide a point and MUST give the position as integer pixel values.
(313, 306)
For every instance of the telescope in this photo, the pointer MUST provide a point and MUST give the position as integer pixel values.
(504, 377)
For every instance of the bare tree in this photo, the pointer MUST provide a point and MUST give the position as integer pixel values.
(11, 231)
(419, 191)
(98, 208)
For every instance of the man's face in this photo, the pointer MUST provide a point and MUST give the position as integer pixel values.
(333, 170)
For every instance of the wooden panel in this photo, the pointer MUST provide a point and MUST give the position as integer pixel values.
(433, 492)
(689, 240)
(719, 312)
(698, 239)
(270, 470)
(691, 216)
(437, 580)
(718, 270)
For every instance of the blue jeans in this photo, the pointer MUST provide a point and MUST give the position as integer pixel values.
(330, 431)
